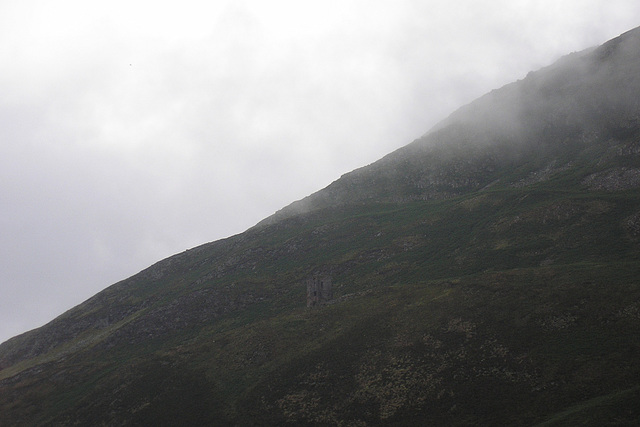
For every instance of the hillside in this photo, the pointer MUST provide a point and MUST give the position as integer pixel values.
(485, 274)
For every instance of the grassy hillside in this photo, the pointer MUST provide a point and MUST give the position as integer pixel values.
(505, 306)
(486, 274)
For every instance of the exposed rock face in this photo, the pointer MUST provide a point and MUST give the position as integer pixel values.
(614, 180)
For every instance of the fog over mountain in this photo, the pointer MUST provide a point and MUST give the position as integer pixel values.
(484, 274)
(581, 96)
(134, 130)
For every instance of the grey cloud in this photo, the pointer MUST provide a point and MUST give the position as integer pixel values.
(228, 112)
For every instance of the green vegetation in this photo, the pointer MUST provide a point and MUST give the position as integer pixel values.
(441, 308)
(480, 277)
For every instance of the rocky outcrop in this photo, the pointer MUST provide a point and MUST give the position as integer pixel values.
(616, 179)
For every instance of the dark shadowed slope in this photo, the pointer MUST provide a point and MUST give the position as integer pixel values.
(485, 274)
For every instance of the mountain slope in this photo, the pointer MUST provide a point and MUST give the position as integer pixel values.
(552, 114)
(485, 274)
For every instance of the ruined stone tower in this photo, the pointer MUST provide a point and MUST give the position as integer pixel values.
(319, 290)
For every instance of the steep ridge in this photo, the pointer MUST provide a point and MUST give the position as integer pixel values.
(484, 274)
(553, 113)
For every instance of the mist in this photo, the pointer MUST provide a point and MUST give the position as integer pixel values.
(131, 131)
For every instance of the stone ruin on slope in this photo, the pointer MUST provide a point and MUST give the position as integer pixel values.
(319, 290)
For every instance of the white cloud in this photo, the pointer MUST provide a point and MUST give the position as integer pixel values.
(131, 130)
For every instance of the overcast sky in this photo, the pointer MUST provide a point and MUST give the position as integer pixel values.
(132, 130)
